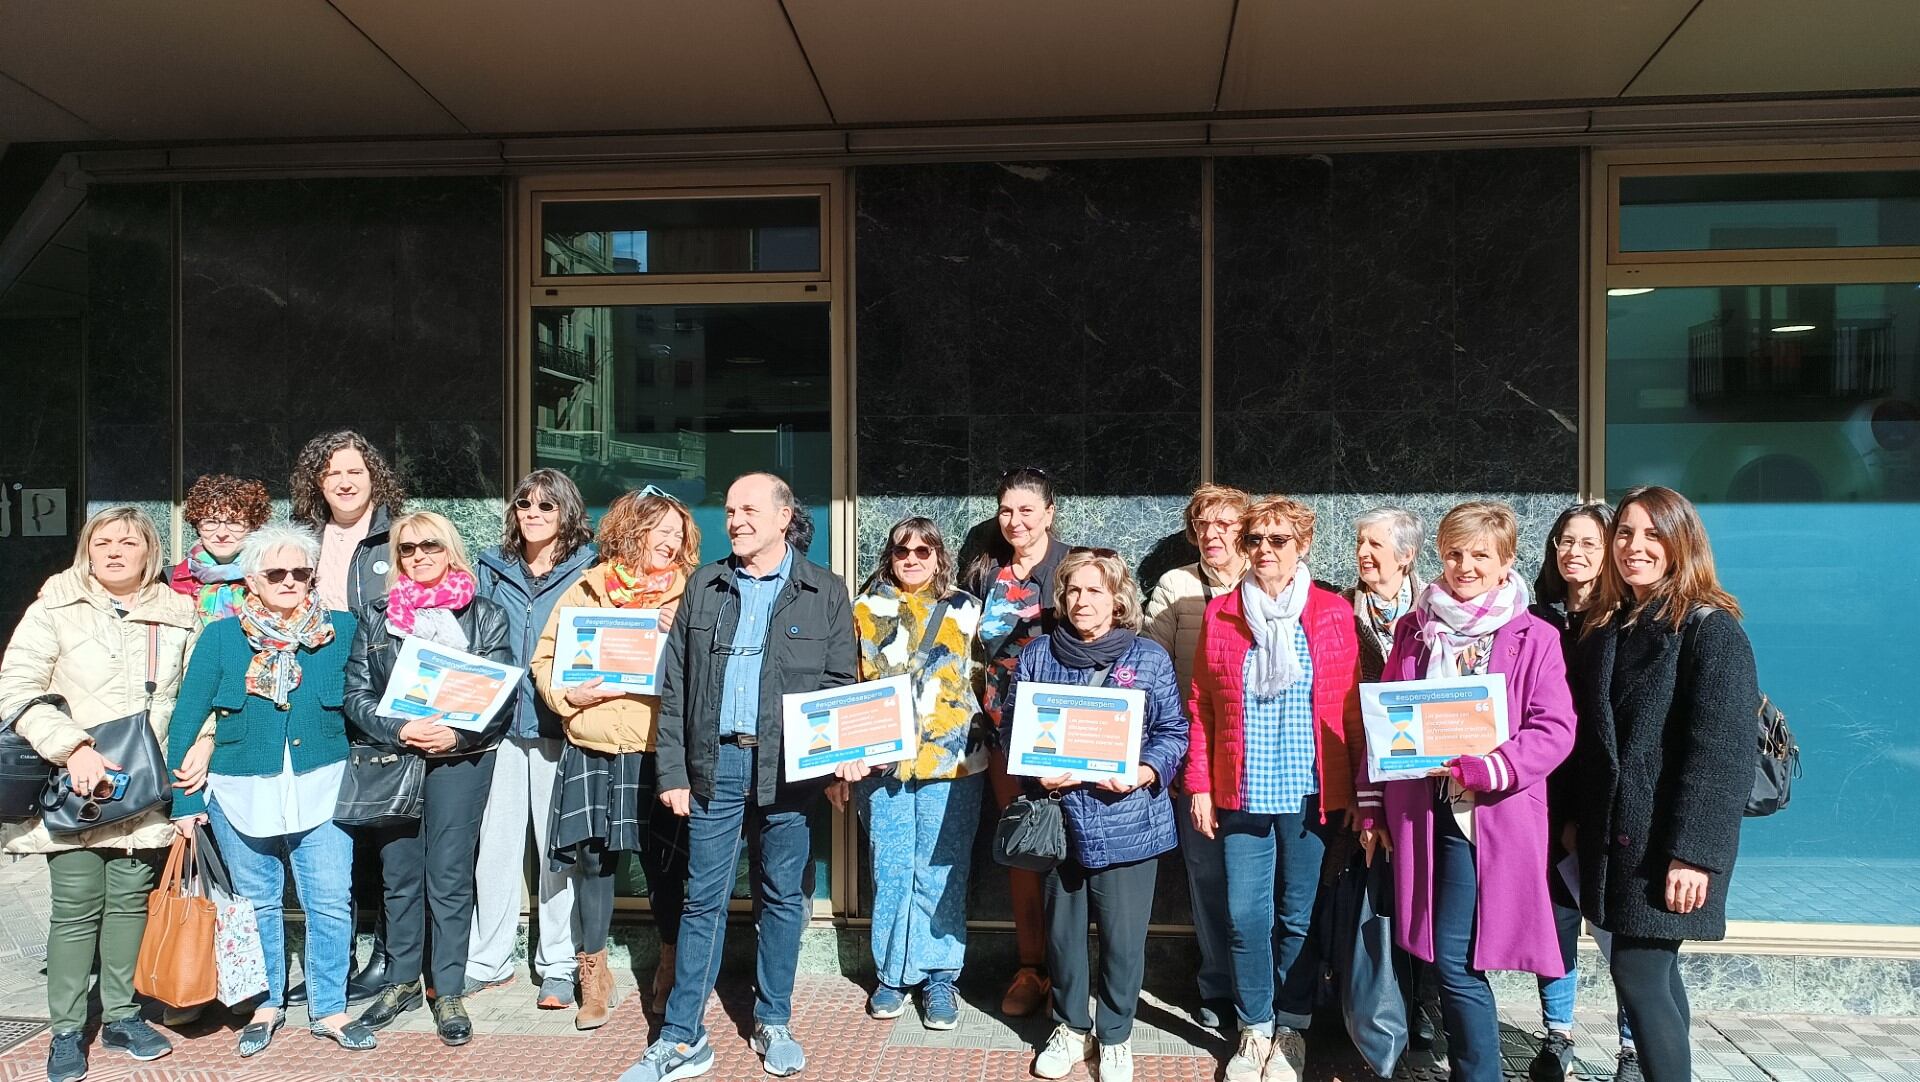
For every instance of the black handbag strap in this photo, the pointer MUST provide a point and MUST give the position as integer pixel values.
(58, 702)
(929, 633)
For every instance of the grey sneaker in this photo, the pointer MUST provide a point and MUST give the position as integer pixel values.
(67, 1059)
(664, 1061)
(1288, 1063)
(780, 1055)
(1627, 1067)
(556, 994)
(137, 1039)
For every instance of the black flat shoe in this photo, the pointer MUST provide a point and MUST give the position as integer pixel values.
(369, 979)
(297, 995)
(353, 1036)
(256, 1036)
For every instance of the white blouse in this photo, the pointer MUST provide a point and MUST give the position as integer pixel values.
(273, 805)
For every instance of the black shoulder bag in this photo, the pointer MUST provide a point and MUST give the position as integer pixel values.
(23, 774)
(1778, 763)
(128, 741)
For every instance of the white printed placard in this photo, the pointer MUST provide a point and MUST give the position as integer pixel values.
(1415, 727)
(871, 721)
(453, 687)
(619, 647)
(1092, 733)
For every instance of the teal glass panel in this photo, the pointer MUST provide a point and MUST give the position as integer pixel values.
(1699, 212)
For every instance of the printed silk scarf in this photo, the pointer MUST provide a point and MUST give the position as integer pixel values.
(222, 590)
(1454, 628)
(630, 591)
(407, 598)
(1275, 622)
(275, 669)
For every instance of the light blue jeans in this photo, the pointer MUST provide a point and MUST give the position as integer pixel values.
(920, 842)
(322, 863)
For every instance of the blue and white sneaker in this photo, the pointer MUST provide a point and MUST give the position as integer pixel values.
(665, 1060)
(780, 1055)
(939, 1005)
(886, 1002)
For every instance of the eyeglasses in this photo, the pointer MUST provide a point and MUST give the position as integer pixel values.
(1253, 541)
(430, 547)
(1568, 544)
(918, 552)
(278, 575)
(1104, 554)
(1227, 524)
(547, 507)
(215, 525)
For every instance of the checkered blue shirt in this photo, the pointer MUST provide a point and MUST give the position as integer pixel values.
(1278, 770)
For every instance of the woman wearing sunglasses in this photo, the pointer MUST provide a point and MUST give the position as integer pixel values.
(648, 547)
(547, 544)
(428, 865)
(1276, 706)
(921, 814)
(1116, 829)
(274, 677)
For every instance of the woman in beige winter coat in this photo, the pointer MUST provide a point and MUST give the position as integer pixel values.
(90, 638)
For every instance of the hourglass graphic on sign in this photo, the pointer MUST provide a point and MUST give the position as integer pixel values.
(422, 691)
(1401, 718)
(583, 649)
(1047, 740)
(818, 724)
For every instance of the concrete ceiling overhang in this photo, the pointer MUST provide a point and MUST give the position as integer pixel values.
(122, 71)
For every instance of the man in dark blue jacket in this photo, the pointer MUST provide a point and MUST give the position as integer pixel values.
(759, 625)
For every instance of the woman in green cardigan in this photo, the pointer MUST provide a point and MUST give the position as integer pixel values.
(273, 678)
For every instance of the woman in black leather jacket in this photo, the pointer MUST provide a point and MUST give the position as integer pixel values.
(428, 865)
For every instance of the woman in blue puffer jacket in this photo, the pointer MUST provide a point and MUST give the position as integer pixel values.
(1116, 829)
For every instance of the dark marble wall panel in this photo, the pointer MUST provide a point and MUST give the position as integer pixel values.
(129, 369)
(1399, 328)
(1029, 314)
(377, 305)
(40, 508)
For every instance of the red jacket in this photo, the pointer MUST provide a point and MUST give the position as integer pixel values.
(1216, 750)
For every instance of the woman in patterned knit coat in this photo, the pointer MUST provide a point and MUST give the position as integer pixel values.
(921, 814)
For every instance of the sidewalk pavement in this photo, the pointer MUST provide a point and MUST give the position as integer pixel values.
(516, 1042)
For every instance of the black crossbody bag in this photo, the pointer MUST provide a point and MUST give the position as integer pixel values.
(128, 741)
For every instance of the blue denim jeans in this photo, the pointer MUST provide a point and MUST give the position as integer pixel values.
(1467, 1007)
(715, 830)
(1206, 863)
(322, 863)
(920, 847)
(1273, 875)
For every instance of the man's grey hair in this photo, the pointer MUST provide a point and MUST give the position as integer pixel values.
(273, 537)
(1403, 528)
(782, 492)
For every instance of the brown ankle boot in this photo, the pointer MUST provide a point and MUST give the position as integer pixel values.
(596, 991)
(663, 977)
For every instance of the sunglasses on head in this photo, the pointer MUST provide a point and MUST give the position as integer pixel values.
(1104, 554)
(652, 490)
(1277, 540)
(1035, 470)
(430, 547)
(545, 506)
(918, 552)
(278, 575)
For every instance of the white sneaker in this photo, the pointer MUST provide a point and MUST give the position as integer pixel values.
(1288, 1060)
(1116, 1062)
(1250, 1059)
(1065, 1048)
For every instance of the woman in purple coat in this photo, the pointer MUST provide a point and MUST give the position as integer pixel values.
(1470, 846)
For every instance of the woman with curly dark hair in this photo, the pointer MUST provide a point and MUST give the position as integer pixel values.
(546, 544)
(345, 492)
(222, 510)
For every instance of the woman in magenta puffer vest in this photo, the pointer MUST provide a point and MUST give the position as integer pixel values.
(1275, 704)
(1470, 847)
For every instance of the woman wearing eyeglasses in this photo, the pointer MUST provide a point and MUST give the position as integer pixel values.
(921, 814)
(1117, 828)
(1013, 576)
(428, 865)
(546, 545)
(222, 511)
(648, 546)
(274, 677)
(1564, 591)
(1276, 707)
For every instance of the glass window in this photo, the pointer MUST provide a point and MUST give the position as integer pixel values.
(1699, 212)
(764, 234)
(1791, 415)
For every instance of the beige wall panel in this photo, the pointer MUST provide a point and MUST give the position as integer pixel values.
(213, 68)
(1303, 54)
(908, 60)
(25, 117)
(1788, 46)
(508, 66)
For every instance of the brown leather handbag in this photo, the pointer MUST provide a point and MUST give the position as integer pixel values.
(176, 964)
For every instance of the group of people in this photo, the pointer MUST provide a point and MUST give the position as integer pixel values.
(262, 659)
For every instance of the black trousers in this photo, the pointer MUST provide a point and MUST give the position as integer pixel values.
(1120, 898)
(1646, 978)
(428, 868)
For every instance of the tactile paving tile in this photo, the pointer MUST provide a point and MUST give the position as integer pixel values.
(15, 1030)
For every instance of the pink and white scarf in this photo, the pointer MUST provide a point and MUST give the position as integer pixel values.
(1452, 628)
(405, 600)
